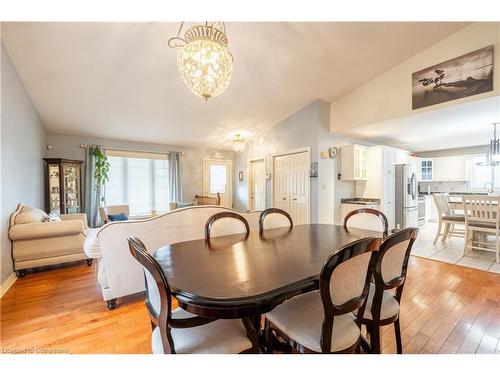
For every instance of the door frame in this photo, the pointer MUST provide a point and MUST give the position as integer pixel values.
(204, 181)
(249, 180)
(299, 150)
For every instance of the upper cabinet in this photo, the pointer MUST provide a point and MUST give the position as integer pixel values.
(353, 162)
(450, 168)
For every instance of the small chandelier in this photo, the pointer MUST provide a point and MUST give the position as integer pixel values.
(238, 143)
(204, 61)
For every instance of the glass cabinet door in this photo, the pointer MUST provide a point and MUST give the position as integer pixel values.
(54, 189)
(71, 180)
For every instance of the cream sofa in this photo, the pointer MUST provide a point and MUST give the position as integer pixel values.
(36, 242)
(119, 274)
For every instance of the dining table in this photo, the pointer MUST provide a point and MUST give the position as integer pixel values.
(242, 276)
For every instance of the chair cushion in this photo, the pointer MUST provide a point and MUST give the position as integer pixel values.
(481, 224)
(390, 306)
(30, 215)
(118, 217)
(301, 318)
(184, 204)
(219, 337)
(454, 217)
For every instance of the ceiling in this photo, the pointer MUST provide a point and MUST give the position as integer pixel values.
(120, 80)
(462, 125)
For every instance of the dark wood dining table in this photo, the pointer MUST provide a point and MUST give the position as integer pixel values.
(239, 277)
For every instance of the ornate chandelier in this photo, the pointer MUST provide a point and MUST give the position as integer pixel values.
(204, 61)
(238, 143)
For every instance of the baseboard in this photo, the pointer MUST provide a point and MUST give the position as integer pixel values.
(5, 286)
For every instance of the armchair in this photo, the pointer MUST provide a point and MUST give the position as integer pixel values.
(36, 242)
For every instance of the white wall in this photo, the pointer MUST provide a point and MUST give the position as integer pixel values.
(23, 139)
(68, 146)
(388, 96)
(308, 127)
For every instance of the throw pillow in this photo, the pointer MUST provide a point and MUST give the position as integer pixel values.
(118, 217)
(53, 218)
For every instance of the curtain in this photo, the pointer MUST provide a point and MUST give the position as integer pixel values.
(175, 177)
(92, 196)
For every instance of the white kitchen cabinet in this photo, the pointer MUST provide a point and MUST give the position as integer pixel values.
(449, 168)
(416, 161)
(428, 207)
(353, 163)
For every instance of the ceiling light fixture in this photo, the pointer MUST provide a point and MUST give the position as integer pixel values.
(238, 143)
(493, 156)
(204, 61)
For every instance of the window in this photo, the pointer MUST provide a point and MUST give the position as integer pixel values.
(480, 175)
(217, 178)
(139, 180)
(426, 170)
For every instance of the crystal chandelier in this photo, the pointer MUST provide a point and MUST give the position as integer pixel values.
(204, 61)
(238, 143)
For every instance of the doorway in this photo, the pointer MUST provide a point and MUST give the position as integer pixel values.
(291, 184)
(256, 184)
(218, 178)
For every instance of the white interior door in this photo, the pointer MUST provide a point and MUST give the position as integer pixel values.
(217, 178)
(257, 185)
(291, 185)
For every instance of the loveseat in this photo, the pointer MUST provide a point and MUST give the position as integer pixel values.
(119, 274)
(37, 242)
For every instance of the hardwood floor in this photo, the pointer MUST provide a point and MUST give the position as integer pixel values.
(445, 309)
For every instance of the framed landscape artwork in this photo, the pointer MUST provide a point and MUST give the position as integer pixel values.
(463, 76)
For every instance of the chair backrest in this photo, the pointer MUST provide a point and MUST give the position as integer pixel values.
(158, 296)
(442, 201)
(482, 209)
(370, 211)
(201, 200)
(391, 266)
(277, 216)
(227, 221)
(344, 282)
(113, 210)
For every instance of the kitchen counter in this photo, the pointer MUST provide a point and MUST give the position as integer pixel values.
(360, 201)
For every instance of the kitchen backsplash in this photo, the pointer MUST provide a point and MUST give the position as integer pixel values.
(443, 186)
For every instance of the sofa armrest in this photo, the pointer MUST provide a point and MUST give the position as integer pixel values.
(45, 230)
(81, 217)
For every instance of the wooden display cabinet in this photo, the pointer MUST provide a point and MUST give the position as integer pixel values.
(63, 186)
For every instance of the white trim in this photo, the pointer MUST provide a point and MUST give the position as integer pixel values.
(5, 286)
(249, 180)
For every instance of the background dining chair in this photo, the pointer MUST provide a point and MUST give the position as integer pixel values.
(370, 211)
(227, 223)
(201, 200)
(178, 331)
(482, 214)
(382, 307)
(448, 217)
(277, 218)
(322, 321)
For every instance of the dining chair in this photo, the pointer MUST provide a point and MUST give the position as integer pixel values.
(226, 225)
(323, 321)
(482, 214)
(370, 211)
(448, 217)
(178, 331)
(382, 307)
(271, 213)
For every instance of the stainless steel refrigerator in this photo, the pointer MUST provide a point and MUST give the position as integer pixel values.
(406, 196)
